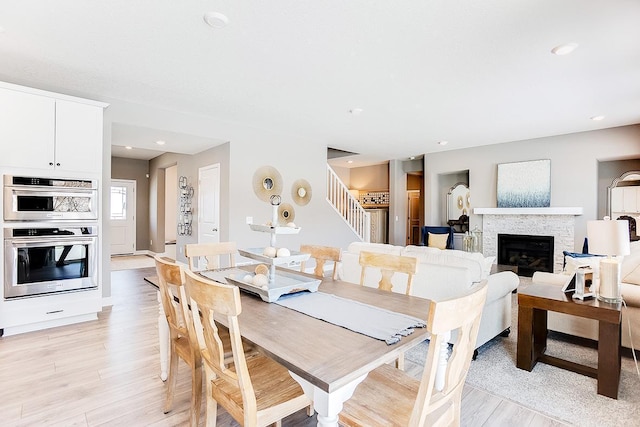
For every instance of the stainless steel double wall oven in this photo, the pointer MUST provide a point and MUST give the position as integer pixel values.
(50, 235)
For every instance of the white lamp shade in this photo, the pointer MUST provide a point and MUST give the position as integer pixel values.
(608, 237)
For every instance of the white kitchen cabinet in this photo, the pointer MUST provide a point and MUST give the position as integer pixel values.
(630, 199)
(625, 200)
(27, 129)
(31, 314)
(78, 141)
(44, 132)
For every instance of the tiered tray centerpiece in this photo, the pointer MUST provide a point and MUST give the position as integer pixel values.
(278, 281)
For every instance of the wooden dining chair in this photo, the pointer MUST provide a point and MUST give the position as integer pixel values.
(255, 390)
(388, 265)
(206, 256)
(391, 397)
(321, 254)
(183, 340)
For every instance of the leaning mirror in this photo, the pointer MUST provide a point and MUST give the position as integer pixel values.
(624, 196)
(458, 207)
(458, 201)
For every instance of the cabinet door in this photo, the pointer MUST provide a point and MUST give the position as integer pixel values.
(617, 201)
(630, 199)
(26, 130)
(78, 143)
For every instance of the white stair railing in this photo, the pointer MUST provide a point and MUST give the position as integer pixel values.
(347, 206)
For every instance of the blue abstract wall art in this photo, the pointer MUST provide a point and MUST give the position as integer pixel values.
(524, 184)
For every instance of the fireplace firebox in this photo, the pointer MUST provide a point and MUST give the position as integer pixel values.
(528, 253)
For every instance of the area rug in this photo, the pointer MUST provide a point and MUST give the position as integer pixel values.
(555, 392)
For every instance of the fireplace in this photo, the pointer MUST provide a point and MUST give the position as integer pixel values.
(529, 253)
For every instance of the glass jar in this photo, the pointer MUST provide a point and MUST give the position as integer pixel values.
(477, 239)
(467, 242)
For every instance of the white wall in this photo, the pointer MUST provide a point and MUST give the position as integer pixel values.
(574, 170)
(171, 204)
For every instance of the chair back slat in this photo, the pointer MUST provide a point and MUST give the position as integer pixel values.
(171, 282)
(206, 256)
(321, 254)
(388, 265)
(215, 299)
(463, 315)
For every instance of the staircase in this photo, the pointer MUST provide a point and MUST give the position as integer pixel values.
(347, 206)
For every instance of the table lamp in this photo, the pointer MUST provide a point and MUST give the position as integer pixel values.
(610, 238)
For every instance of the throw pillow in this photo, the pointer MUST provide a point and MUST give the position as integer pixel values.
(633, 277)
(630, 271)
(487, 263)
(438, 240)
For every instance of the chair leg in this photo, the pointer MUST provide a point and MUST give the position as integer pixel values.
(196, 395)
(173, 377)
(212, 406)
(400, 362)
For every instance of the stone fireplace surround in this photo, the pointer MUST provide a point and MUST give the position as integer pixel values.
(556, 222)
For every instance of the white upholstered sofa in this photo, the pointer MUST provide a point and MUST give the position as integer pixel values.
(442, 274)
(630, 290)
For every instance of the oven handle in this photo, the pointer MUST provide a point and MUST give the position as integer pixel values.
(64, 241)
(60, 193)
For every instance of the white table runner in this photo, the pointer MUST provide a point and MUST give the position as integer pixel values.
(375, 322)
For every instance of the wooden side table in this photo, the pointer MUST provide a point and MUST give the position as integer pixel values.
(533, 304)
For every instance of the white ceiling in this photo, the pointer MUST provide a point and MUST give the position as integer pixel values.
(467, 71)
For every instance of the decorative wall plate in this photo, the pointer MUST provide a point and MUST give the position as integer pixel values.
(301, 192)
(267, 181)
(286, 213)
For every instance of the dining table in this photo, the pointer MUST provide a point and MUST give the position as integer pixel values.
(328, 361)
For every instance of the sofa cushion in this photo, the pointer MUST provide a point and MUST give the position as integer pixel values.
(630, 270)
(438, 240)
(631, 295)
(382, 248)
(449, 257)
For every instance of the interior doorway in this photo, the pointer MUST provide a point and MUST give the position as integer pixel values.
(415, 208)
(209, 204)
(122, 218)
(413, 217)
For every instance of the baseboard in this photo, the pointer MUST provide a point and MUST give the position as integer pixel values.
(21, 329)
(107, 301)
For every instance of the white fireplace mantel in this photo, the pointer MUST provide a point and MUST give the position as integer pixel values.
(528, 211)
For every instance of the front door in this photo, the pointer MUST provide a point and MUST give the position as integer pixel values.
(122, 220)
(209, 204)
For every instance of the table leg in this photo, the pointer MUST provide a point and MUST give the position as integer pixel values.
(327, 405)
(609, 359)
(540, 332)
(524, 358)
(163, 341)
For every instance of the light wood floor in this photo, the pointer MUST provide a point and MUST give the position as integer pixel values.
(105, 373)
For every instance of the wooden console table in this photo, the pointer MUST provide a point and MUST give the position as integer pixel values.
(533, 304)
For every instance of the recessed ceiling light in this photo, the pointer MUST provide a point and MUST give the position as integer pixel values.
(128, 148)
(349, 161)
(564, 49)
(443, 142)
(356, 111)
(160, 142)
(1, 29)
(597, 118)
(216, 20)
